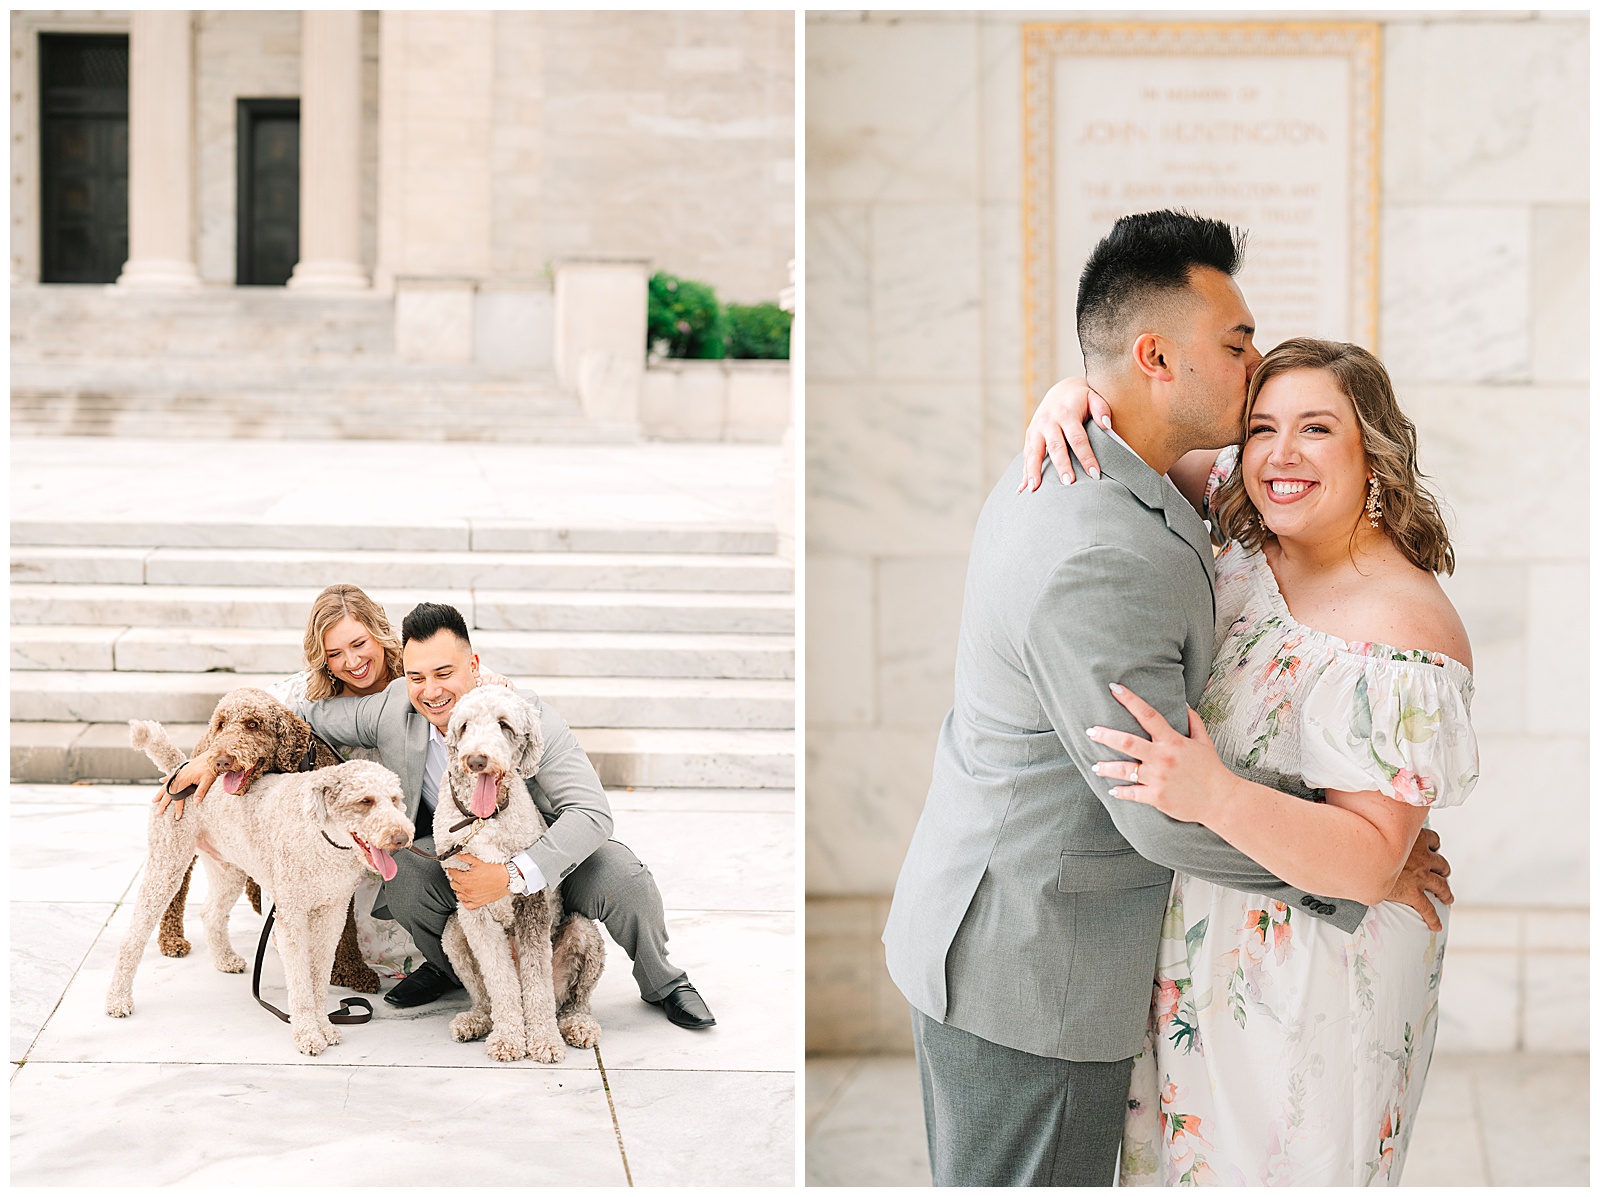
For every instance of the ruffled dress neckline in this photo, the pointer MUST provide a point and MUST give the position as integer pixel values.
(1266, 584)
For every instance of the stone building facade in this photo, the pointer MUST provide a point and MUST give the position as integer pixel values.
(453, 169)
(914, 247)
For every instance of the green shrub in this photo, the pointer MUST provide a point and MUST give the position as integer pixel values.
(758, 330)
(685, 318)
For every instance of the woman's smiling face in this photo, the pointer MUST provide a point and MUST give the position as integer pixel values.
(1304, 466)
(355, 657)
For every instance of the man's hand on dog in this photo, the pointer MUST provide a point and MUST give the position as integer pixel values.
(193, 773)
(477, 883)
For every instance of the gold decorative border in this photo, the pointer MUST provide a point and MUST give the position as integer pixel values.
(1043, 43)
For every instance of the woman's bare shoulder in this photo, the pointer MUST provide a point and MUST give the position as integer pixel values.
(1407, 608)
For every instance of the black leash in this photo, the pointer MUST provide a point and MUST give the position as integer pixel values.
(341, 1016)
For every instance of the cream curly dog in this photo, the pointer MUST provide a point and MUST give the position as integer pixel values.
(309, 838)
(251, 733)
(528, 970)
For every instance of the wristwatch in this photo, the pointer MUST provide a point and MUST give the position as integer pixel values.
(515, 882)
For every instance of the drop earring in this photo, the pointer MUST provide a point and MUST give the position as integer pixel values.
(1374, 504)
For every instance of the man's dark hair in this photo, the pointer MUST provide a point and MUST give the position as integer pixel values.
(427, 620)
(1146, 257)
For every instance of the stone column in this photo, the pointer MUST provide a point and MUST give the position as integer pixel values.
(602, 308)
(330, 153)
(783, 481)
(160, 152)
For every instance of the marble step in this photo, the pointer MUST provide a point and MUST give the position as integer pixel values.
(659, 757)
(459, 535)
(337, 418)
(47, 323)
(279, 651)
(105, 697)
(500, 610)
(377, 569)
(291, 395)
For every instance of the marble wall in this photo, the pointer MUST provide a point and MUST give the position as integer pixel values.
(915, 405)
(666, 135)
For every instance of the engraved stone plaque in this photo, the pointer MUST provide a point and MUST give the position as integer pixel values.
(1269, 126)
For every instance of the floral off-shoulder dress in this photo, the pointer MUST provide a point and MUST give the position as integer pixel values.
(1282, 1050)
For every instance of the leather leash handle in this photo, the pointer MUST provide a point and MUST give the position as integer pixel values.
(187, 790)
(342, 1016)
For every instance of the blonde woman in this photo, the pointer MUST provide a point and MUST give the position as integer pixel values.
(1282, 1049)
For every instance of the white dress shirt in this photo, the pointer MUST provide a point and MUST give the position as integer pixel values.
(433, 773)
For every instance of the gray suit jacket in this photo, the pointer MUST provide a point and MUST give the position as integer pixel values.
(566, 789)
(1029, 906)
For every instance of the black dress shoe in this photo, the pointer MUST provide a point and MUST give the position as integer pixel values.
(684, 1007)
(427, 984)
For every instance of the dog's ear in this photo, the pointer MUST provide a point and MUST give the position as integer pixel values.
(203, 744)
(319, 794)
(531, 735)
(453, 730)
(291, 736)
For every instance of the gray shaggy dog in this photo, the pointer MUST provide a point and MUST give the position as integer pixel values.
(308, 837)
(528, 968)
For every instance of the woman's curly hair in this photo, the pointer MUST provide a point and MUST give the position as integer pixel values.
(332, 605)
(1411, 515)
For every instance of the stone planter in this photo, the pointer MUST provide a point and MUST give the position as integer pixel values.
(746, 401)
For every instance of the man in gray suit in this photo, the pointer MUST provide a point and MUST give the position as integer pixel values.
(599, 877)
(1026, 917)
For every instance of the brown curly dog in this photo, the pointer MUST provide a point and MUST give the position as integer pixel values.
(251, 734)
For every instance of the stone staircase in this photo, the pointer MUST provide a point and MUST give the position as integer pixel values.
(669, 651)
(258, 363)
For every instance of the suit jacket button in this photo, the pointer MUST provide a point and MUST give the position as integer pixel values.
(1309, 901)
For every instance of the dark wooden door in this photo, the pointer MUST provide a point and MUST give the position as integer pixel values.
(83, 127)
(269, 191)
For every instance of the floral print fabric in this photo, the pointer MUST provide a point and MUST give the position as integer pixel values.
(1282, 1050)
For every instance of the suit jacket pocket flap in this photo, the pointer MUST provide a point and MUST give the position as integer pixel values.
(1123, 868)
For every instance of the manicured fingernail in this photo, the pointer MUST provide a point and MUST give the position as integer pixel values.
(1093, 733)
(1094, 472)
(1116, 689)
(1105, 422)
(1096, 767)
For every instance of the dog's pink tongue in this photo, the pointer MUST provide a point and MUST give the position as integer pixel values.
(485, 796)
(381, 861)
(232, 781)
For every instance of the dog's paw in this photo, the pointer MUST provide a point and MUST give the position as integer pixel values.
(470, 1025)
(231, 963)
(545, 1050)
(331, 1034)
(119, 1005)
(175, 947)
(504, 1048)
(580, 1030)
(309, 1041)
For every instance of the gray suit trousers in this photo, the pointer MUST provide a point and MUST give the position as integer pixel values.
(998, 1116)
(611, 886)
